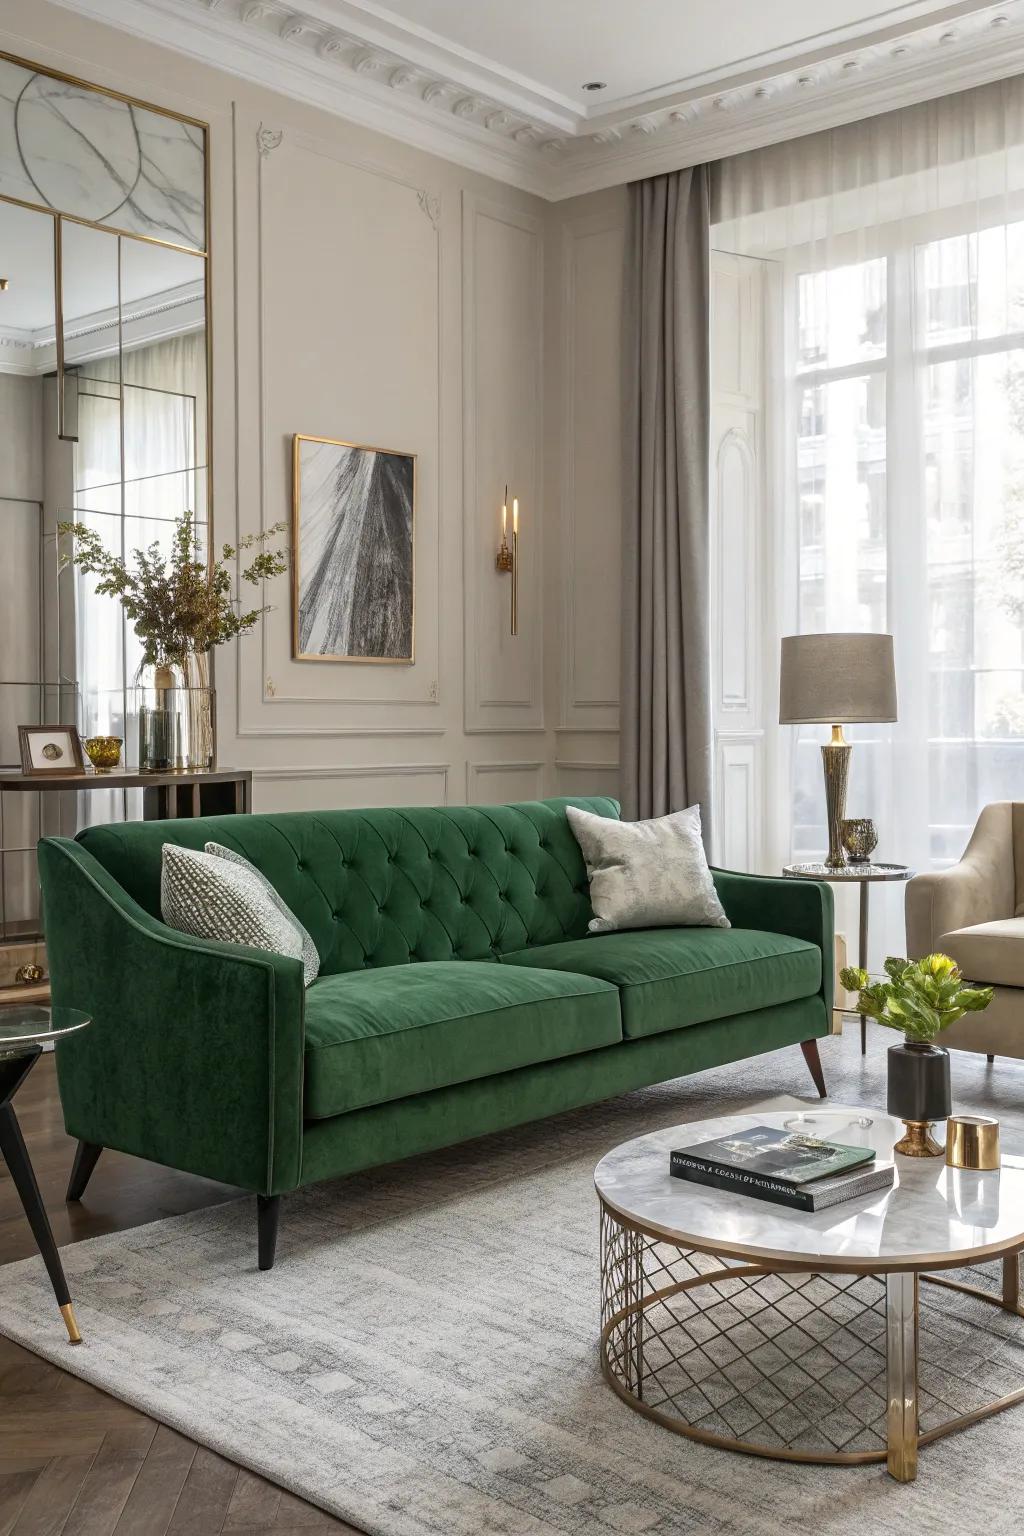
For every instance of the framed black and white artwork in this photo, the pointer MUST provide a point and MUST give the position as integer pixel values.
(353, 584)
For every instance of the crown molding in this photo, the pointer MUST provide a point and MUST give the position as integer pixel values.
(406, 84)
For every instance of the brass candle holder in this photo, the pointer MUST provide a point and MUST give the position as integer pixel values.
(507, 560)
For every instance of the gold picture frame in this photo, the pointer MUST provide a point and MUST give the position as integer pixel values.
(300, 650)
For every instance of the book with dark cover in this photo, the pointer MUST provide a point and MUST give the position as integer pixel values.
(784, 1156)
(816, 1195)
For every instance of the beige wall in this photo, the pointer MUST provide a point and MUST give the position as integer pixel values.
(365, 291)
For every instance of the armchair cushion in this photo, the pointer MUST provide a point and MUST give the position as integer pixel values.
(672, 977)
(388, 1032)
(991, 953)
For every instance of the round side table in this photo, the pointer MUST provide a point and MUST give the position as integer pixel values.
(23, 1033)
(864, 875)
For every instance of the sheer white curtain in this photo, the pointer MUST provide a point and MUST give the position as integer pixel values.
(895, 254)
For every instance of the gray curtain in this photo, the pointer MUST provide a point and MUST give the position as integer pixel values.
(665, 741)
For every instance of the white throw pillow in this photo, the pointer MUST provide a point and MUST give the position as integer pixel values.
(213, 897)
(647, 874)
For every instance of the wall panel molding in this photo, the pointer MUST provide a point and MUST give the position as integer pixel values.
(420, 683)
(591, 468)
(503, 368)
(477, 773)
(348, 775)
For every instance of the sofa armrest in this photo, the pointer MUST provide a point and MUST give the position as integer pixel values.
(803, 909)
(980, 889)
(194, 1058)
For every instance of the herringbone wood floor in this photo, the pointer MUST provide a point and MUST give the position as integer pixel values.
(73, 1461)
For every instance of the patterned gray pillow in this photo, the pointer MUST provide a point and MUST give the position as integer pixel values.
(647, 874)
(310, 953)
(226, 898)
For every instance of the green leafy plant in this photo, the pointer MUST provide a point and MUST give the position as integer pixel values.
(921, 997)
(181, 604)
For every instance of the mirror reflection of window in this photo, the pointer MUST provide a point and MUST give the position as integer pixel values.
(140, 459)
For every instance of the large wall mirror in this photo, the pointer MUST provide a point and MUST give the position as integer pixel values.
(104, 391)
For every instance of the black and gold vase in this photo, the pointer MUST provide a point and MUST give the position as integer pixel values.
(919, 1094)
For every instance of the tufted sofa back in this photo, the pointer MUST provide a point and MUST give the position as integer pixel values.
(382, 887)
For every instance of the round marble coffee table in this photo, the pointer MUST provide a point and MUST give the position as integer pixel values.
(805, 1336)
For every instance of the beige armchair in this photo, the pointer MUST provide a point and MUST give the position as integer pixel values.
(975, 913)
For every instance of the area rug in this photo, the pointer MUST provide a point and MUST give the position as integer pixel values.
(422, 1361)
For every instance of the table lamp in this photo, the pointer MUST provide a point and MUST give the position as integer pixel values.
(836, 680)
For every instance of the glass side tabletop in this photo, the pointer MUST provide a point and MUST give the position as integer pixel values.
(36, 1025)
(848, 871)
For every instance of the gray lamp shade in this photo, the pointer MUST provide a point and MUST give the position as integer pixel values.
(836, 679)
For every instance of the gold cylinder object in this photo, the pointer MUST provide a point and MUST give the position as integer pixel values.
(972, 1141)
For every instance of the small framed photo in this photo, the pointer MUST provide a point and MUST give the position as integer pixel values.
(50, 749)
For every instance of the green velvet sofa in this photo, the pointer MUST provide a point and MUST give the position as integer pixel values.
(459, 992)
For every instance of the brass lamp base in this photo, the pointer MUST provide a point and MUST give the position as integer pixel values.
(835, 761)
(919, 1141)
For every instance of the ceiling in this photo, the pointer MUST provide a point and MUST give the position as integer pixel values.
(640, 48)
(497, 84)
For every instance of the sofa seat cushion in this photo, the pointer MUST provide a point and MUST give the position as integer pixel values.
(990, 953)
(388, 1033)
(671, 977)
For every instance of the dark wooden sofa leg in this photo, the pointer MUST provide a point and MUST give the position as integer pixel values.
(813, 1060)
(87, 1156)
(268, 1214)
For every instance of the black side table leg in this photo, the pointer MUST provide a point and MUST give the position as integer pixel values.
(15, 1155)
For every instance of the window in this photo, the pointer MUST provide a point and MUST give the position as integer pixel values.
(907, 450)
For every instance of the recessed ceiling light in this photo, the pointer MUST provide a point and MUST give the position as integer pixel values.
(594, 85)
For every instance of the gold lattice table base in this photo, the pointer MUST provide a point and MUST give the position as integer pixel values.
(805, 1366)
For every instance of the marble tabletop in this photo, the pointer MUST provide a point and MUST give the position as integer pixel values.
(935, 1217)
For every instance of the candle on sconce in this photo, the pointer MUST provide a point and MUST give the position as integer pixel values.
(515, 566)
(504, 517)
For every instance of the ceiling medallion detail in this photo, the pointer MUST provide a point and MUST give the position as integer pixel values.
(536, 142)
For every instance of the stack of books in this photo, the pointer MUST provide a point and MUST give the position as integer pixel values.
(785, 1167)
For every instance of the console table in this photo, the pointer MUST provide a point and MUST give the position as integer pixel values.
(165, 796)
(202, 792)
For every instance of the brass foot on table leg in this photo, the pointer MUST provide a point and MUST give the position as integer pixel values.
(67, 1312)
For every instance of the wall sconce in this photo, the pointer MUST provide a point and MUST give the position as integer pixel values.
(508, 559)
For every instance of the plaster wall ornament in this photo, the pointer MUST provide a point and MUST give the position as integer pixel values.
(268, 139)
(466, 106)
(330, 47)
(430, 204)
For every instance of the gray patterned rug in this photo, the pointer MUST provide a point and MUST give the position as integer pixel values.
(423, 1361)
